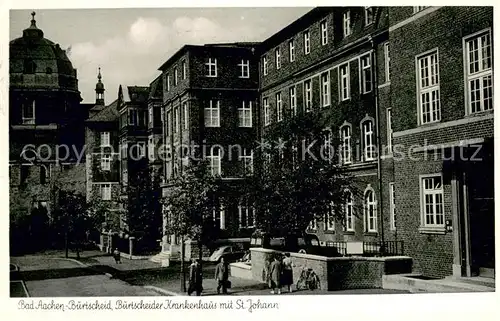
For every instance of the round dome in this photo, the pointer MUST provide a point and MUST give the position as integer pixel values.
(37, 62)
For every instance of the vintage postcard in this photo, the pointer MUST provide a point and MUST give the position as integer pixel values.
(249, 159)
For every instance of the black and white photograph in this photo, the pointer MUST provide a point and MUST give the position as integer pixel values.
(257, 151)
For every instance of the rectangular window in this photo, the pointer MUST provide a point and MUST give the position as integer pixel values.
(105, 141)
(184, 69)
(245, 114)
(345, 136)
(279, 107)
(267, 116)
(214, 162)
(313, 225)
(479, 73)
(347, 23)
(368, 141)
(168, 82)
(325, 89)
(142, 149)
(245, 68)
(330, 220)
(264, 65)
(328, 152)
(349, 216)
(432, 207)
(307, 42)
(176, 120)
(246, 159)
(212, 114)
(277, 55)
(106, 162)
(428, 88)
(366, 74)
(211, 67)
(150, 116)
(291, 50)
(387, 62)
(308, 95)
(219, 217)
(168, 123)
(293, 101)
(392, 206)
(324, 33)
(133, 117)
(389, 130)
(370, 207)
(247, 216)
(175, 76)
(345, 90)
(105, 192)
(369, 15)
(186, 115)
(28, 113)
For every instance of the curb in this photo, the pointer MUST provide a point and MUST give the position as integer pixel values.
(71, 260)
(160, 290)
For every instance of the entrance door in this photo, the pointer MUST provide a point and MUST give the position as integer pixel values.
(480, 183)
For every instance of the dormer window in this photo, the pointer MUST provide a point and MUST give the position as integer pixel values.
(28, 113)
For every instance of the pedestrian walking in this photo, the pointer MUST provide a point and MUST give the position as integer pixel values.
(222, 276)
(275, 273)
(117, 256)
(195, 278)
(287, 275)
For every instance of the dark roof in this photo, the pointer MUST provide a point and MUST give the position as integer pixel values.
(107, 113)
(156, 88)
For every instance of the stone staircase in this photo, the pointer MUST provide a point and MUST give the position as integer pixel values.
(416, 283)
(160, 257)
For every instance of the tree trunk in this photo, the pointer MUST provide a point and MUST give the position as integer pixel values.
(183, 270)
(200, 253)
(77, 245)
(66, 243)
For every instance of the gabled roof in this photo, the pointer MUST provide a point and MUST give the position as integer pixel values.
(156, 88)
(134, 93)
(107, 113)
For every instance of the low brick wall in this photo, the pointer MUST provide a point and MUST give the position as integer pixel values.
(336, 273)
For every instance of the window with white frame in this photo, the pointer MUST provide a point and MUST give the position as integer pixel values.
(366, 74)
(211, 67)
(368, 140)
(168, 123)
(184, 69)
(176, 120)
(307, 42)
(345, 90)
(327, 145)
(277, 56)
(150, 116)
(245, 68)
(479, 73)
(214, 161)
(141, 149)
(419, 8)
(219, 216)
(247, 216)
(186, 115)
(330, 219)
(308, 95)
(28, 113)
(389, 130)
(345, 136)
(212, 114)
(151, 149)
(168, 82)
(105, 192)
(325, 89)
(175, 76)
(324, 33)
(105, 140)
(370, 207)
(431, 195)
(347, 23)
(291, 50)
(246, 159)
(293, 100)
(387, 60)
(279, 107)
(106, 162)
(348, 210)
(133, 117)
(392, 206)
(313, 225)
(245, 114)
(369, 15)
(264, 65)
(267, 116)
(428, 88)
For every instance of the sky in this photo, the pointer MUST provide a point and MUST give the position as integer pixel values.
(131, 44)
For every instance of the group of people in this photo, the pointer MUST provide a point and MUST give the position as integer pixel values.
(196, 277)
(280, 273)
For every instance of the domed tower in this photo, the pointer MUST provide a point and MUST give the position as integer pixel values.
(99, 90)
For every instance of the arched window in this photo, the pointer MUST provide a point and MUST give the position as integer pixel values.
(370, 208)
(349, 214)
(345, 137)
(368, 140)
(29, 67)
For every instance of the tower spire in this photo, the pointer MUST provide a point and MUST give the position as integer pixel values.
(99, 89)
(33, 21)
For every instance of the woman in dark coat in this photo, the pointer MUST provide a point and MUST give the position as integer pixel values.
(195, 278)
(287, 275)
(275, 273)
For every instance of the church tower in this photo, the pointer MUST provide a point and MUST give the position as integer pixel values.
(99, 90)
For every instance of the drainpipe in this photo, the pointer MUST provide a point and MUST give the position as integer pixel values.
(379, 144)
